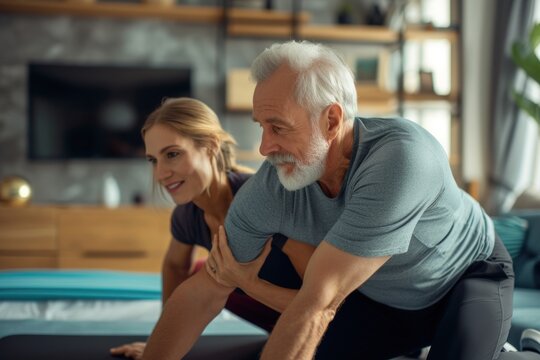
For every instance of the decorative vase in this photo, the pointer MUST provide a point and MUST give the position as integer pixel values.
(111, 191)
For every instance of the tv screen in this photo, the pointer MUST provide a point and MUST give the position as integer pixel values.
(95, 111)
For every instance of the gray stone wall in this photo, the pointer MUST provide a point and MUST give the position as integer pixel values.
(85, 41)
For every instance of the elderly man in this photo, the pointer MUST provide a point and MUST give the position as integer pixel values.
(402, 257)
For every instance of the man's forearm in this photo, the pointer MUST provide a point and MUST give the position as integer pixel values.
(299, 330)
(187, 312)
(330, 277)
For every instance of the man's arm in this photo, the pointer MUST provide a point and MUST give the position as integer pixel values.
(331, 275)
(187, 312)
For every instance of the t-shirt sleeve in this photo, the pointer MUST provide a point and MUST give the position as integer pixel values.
(253, 216)
(187, 221)
(182, 223)
(390, 191)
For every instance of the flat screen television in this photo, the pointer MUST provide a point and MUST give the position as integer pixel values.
(95, 111)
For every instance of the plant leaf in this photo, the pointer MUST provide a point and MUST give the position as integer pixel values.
(534, 36)
(527, 105)
(527, 60)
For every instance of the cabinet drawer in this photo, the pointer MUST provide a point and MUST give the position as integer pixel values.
(28, 228)
(124, 263)
(123, 233)
(28, 262)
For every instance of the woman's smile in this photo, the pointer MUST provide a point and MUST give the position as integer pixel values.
(174, 186)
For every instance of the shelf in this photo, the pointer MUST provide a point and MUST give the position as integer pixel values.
(365, 34)
(368, 34)
(191, 14)
(374, 100)
(423, 35)
(420, 97)
(260, 17)
(258, 30)
(184, 13)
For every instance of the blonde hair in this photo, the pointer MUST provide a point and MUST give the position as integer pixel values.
(193, 119)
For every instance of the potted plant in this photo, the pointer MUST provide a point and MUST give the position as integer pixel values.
(524, 56)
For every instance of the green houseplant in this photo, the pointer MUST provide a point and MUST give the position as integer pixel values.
(524, 56)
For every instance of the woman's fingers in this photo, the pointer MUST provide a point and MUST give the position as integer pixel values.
(210, 269)
(133, 350)
(223, 244)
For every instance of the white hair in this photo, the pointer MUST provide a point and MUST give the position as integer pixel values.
(323, 76)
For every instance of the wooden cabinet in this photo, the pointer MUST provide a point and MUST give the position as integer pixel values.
(28, 237)
(132, 239)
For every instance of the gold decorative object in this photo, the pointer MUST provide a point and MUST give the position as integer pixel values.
(15, 191)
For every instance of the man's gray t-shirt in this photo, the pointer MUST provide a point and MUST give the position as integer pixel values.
(398, 198)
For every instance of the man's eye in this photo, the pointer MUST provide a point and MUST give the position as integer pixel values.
(151, 161)
(276, 129)
(172, 154)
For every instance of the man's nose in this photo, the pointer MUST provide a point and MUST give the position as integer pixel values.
(268, 144)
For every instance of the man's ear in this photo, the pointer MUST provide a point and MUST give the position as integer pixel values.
(334, 120)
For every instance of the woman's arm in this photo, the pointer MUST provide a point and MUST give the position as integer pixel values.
(245, 276)
(191, 306)
(176, 267)
(299, 254)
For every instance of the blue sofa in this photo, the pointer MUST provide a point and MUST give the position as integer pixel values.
(527, 269)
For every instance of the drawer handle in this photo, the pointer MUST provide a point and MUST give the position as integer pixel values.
(114, 254)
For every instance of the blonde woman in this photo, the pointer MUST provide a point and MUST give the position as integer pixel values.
(192, 159)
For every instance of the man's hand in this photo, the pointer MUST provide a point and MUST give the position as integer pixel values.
(132, 351)
(223, 267)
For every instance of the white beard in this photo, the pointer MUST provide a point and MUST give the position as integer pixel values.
(303, 174)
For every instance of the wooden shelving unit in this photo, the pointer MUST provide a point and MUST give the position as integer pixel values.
(282, 25)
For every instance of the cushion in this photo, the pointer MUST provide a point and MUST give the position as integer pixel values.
(528, 273)
(78, 284)
(512, 231)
